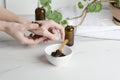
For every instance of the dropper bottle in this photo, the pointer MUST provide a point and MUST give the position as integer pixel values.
(69, 34)
(39, 12)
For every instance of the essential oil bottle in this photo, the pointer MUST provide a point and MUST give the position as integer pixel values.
(69, 34)
(40, 13)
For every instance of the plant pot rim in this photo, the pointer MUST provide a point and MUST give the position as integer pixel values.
(115, 12)
(111, 3)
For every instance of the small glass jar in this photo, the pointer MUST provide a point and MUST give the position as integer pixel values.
(69, 34)
(40, 13)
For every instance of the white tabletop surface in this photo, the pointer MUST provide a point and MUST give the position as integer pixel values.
(93, 59)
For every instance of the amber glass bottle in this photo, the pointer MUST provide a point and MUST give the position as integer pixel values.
(69, 34)
(40, 13)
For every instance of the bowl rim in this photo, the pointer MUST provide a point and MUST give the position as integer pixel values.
(58, 44)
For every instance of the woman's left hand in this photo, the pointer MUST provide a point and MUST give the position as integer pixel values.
(17, 31)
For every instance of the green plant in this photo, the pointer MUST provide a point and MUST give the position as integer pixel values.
(52, 14)
(91, 7)
(118, 3)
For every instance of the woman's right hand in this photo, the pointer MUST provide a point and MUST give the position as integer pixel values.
(50, 29)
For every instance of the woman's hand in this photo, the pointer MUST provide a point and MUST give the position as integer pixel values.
(50, 29)
(17, 31)
(47, 31)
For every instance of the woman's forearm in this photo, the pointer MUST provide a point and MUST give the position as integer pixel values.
(6, 15)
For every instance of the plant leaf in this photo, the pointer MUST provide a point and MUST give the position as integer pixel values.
(80, 5)
(54, 15)
(49, 14)
(84, 0)
(48, 6)
(98, 6)
(91, 7)
(45, 2)
(118, 1)
(63, 22)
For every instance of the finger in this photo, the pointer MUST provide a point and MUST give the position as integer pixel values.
(56, 33)
(36, 36)
(27, 41)
(19, 37)
(37, 31)
(54, 25)
(50, 35)
(62, 32)
(41, 21)
(32, 41)
(32, 26)
(47, 40)
(60, 28)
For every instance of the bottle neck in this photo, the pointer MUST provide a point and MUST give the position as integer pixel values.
(38, 4)
(69, 28)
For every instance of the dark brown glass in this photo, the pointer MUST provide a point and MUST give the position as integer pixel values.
(69, 34)
(40, 13)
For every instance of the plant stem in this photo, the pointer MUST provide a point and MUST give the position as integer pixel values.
(108, 0)
(78, 16)
(85, 13)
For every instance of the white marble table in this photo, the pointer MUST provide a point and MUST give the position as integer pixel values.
(93, 59)
(96, 58)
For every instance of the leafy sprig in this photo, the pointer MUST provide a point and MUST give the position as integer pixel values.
(91, 7)
(52, 14)
(94, 6)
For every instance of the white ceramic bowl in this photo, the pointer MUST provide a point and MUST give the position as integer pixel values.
(58, 61)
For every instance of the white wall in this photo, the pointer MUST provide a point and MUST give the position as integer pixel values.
(2, 3)
(27, 7)
(22, 7)
(56, 4)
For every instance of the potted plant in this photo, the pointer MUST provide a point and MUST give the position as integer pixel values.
(115, 10)
(90, 7)
(96, 6)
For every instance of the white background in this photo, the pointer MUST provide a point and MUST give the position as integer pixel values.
(27, 7)
(2, 3)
